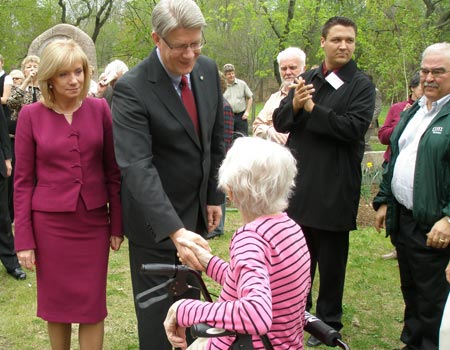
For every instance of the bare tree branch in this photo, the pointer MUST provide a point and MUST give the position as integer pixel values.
(63, 11)
(105, 11)
(281, 36)
(84, 16)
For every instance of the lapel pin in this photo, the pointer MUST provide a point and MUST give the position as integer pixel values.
(201, 77)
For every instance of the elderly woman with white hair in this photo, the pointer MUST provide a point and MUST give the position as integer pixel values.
(266, 282)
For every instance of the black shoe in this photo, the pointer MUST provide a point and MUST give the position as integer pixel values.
(313, 341)
(18, 273)
(213, 234)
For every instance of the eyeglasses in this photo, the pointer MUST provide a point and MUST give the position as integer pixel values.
(435, 72)
(183, 47)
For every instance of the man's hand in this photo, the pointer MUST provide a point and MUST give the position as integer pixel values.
(447, 272)
(8, 164)
(380, 217)
(175, 334)
(439, 236)
(214, 215)
(303, 94)
(276, 136)
(185, 254)
(203, 255)
(101, 88)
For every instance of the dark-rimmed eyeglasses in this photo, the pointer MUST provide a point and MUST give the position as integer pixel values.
(183, 47)
(435, 72)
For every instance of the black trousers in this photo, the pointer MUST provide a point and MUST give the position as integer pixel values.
(11, 182)
(152, 335)
(423, 283)
(329, 252)
(240, 126)
(7, 253)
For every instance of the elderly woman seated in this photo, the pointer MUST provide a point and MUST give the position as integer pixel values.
(266, 282)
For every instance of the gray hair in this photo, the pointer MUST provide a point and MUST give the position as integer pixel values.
(442, 49)
(292, 52)
(228, 67)
(28, 59)
(16, 73)
(260, 174)
(168, 15)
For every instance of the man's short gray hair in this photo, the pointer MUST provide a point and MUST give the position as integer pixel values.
(168, 15)
(228, 67)
(260, 174)
(442, 49)
(292, 52)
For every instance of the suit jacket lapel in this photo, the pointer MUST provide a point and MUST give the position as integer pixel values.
(169, 97)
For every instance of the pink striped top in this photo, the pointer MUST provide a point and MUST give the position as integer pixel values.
(265, 286)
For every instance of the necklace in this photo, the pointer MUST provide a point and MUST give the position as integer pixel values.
(68, 113)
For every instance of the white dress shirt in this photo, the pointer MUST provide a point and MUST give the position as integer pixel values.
(403, 178)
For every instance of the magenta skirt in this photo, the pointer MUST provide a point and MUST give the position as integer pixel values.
(72, 252)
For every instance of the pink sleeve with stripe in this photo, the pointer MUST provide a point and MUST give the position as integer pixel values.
(250, 308)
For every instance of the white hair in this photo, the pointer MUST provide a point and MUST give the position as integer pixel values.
(260, 175)
(292, 52)
(442, 49)
(113, 71)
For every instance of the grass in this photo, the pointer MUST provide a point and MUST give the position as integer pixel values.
(373, 304)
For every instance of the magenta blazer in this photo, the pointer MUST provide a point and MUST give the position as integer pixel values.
(56, 162)
(392, 119)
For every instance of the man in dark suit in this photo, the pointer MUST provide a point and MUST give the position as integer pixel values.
(168, 157)
(327, 115)
(7, 253)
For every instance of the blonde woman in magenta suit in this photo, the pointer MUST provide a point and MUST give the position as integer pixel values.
(66, 198)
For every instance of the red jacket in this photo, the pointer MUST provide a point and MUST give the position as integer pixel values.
(56, 162)
(392, 118)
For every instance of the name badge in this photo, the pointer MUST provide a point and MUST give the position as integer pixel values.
(334, 80)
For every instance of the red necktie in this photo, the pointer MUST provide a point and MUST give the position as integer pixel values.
(189, 102)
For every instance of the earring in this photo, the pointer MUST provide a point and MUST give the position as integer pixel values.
(50, 86)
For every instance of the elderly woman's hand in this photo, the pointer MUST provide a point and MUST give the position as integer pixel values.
(203, 255)
(175, 334)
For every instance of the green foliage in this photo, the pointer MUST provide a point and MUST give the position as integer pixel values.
(371, 178)
(250, 33)
(20, 22)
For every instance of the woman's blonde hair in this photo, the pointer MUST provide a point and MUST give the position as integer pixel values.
(28, 59)
(56, 56)
(260, 174)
